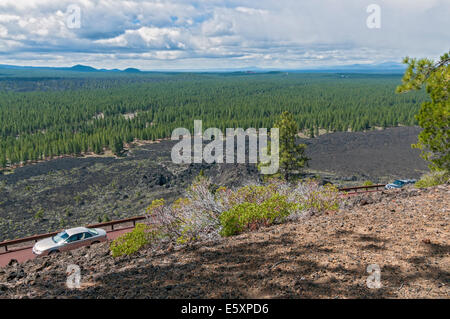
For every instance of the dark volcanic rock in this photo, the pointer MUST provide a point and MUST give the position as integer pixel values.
(80, 191)
(379, 155)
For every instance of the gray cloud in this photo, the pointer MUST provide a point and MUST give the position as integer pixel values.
(220, 33)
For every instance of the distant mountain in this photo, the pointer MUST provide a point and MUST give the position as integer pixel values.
(83, 68)
(385, 67)
(132, 70)
(86, 68)
(75, 68)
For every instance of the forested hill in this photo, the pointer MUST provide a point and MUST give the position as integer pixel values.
(49, 114)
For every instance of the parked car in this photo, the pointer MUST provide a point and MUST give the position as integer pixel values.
(69, 239)
(399, 183)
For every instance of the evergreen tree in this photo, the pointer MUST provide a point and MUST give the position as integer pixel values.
(116, 146)
(434, 115)
(311, 132)
(3, 161)
(291, 154)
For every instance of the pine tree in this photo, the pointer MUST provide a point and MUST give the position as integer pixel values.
(434, 115)
(3, 161)
(291, 155)
(116, 145)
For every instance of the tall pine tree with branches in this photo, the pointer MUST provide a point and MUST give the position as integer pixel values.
(434, 115)
(292, 157)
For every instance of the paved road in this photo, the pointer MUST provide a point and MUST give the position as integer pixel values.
(25, 254)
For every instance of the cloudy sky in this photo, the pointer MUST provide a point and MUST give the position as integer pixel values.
(199, 34)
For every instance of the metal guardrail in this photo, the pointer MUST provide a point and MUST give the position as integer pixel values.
(366, 188)
(35, 238)
(133, 220)
(116, 222)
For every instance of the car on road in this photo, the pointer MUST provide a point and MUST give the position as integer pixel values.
(399, 183)
(69, 239)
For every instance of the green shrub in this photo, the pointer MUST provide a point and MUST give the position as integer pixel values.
(131, 242)
(252, 216)
(39, 214)
(256, 194)
(368, 183)
(321, 199)
(433, 178)
(181, 222)
(204, 213)
(77, 199)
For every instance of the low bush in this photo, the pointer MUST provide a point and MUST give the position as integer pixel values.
(433, 178)
(323, 199)
(311, 198)
(184, 221)
(246, 194)
(253, 215)
(129, 243)
(39, 214)
(208, 212)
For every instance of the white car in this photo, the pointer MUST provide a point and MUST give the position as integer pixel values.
(69, 239)
(399, 183)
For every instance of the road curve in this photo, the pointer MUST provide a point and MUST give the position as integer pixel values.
(24, 254)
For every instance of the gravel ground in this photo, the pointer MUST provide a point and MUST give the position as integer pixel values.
(379, 155)
(405, 232)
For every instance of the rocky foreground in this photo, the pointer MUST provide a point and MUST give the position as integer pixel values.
(405, 232)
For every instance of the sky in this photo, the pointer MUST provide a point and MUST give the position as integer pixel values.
(215, 34)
